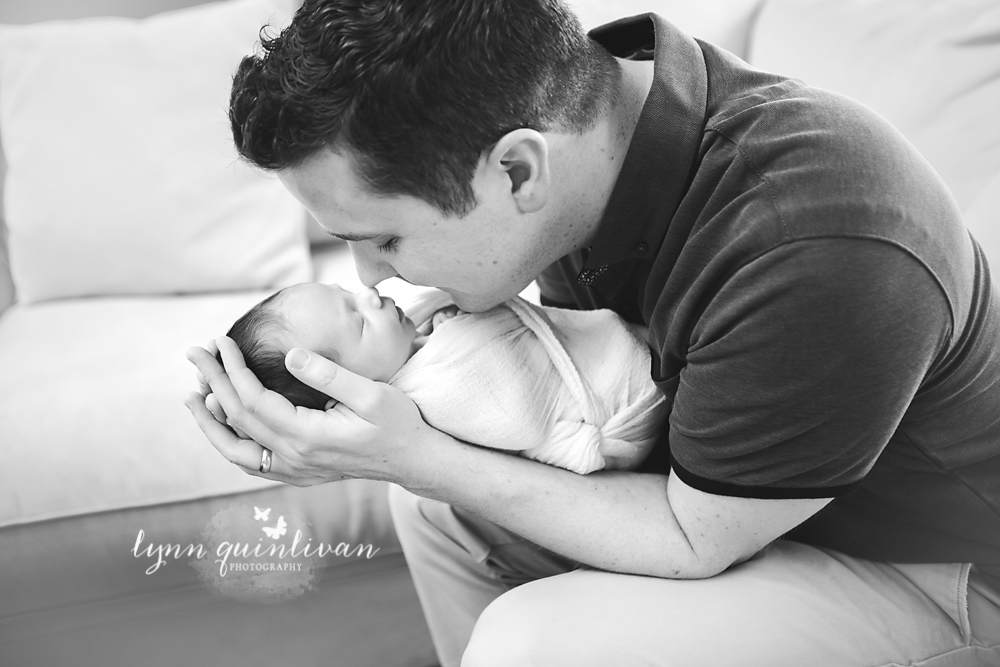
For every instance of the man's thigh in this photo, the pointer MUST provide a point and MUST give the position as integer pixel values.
(792, 605)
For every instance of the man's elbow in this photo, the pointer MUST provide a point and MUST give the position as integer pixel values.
(704, 562)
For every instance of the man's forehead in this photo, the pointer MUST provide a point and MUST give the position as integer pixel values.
(326, 185)
(321, 179)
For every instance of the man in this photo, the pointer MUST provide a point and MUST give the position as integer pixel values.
(823, 325)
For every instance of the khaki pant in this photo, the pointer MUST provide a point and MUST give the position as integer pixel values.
(493, 599)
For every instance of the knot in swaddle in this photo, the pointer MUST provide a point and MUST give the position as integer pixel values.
(568, 388)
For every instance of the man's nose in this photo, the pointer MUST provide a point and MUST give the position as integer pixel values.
(371, 269)
(371, 297)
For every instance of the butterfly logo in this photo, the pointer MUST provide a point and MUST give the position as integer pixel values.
(279, 529)
(259, 514)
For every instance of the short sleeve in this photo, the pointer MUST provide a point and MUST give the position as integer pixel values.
(801, 367)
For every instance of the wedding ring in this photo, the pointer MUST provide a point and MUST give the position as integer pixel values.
(265, 461)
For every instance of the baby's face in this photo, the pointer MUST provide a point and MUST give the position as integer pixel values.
(367, 332)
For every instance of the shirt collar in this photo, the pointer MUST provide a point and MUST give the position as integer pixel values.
(661, 156)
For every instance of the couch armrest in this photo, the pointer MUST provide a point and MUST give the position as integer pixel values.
(6, 282)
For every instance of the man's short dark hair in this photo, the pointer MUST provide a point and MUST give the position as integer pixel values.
(255, 333)
(416, 90)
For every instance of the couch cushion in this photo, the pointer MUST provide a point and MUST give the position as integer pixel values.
(91, 399)
(931, 67)
(122, 178)
(91, 410)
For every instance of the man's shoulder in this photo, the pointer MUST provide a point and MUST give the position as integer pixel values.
(777, 120)
(817, 163)
(746, 101)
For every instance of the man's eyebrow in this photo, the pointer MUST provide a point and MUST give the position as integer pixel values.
(352, 237)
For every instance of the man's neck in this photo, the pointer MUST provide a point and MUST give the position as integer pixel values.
(634, 86)
(589, 163)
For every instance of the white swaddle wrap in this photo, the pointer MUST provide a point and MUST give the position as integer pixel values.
(568, 388)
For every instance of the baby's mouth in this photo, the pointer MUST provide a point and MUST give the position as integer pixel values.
(400, 312)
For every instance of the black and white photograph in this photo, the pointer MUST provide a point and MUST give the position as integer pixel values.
(500, 333)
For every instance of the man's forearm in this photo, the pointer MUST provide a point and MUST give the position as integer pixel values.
(617, 521)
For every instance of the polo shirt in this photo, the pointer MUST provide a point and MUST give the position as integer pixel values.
(821, 322)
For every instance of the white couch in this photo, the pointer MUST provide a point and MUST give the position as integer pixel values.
(127, 244)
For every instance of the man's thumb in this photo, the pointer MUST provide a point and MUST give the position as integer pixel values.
(297, 359)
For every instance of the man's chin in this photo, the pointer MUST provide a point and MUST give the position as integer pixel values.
(470, 303)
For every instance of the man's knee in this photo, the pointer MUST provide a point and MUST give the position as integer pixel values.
(529, 627)
(423, 525)
(588, 618)
(504, 634)
(403, 506)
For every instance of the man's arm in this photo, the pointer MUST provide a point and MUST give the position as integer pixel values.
(620, 521)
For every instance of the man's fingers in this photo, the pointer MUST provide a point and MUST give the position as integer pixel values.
(203, 385)
(254, 396)
(355, 391)
(229, 402)
(235, 365)
(212, 403)
(243, 452)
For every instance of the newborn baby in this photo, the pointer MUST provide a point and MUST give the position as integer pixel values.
(568, 388)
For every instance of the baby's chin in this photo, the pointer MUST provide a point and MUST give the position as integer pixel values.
(410, 327)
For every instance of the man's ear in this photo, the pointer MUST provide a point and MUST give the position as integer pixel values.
(522, 155)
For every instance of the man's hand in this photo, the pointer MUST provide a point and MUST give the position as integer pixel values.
(615, 520)
(371, 432)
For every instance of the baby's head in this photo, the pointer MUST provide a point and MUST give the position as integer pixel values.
(361, 331)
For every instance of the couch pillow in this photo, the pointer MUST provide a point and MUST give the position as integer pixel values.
(124, 439)
(122, 177)
(6, 283)
(931, 67)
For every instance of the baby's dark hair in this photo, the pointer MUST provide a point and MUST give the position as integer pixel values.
(265, 356)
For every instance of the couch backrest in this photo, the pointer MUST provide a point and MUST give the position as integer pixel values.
(40, 11)
(724, 22)
(34, 11)
(931, 67)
